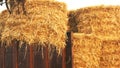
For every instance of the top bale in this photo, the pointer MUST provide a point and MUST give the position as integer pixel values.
(45, 23)
(103, 21)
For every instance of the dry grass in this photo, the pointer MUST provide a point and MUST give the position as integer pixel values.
(45, 24)
(86, 51)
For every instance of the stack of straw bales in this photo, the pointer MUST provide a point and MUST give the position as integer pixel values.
(99, 44)
(45, 24)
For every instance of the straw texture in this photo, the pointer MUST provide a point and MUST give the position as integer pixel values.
(103, 21)
(86, 51)
(97, 43)
(110, 56)
(3, 17)
(44, 24)
(90, 51)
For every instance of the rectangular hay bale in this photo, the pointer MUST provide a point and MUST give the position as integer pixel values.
(103, 21)
(86, 51)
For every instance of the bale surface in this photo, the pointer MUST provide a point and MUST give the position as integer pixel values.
(3, 17)
(86, 51)
(110, 56)
(45, 24)
(103, 21)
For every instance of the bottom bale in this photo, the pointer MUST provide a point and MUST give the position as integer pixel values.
(110, 54)
(86, 51)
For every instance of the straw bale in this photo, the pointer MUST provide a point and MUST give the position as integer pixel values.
(103, 21)
(110, 56)
(86, 51)
(45, 23)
